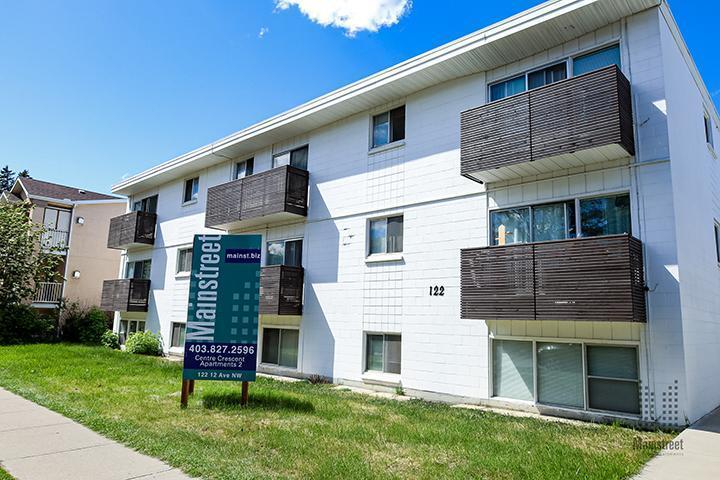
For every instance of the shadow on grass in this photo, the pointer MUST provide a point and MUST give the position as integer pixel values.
(260, 400)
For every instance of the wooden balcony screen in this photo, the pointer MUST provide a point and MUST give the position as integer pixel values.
(132, 228)
(280, 190)
(281, 290)
(586, 279)
(580, 113)
(125, 295)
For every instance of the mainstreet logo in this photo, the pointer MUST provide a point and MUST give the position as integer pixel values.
(242, 255)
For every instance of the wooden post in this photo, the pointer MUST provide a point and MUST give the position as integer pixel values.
(184, 393)
(191, 388)
(244, 398)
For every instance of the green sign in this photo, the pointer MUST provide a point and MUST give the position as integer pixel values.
(222, 321)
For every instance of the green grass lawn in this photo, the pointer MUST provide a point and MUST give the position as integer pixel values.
(299, 430)
(4, 475)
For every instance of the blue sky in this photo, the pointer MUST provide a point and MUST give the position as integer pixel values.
(91, 91)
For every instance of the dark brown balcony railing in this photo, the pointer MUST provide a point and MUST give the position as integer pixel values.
(275, 195)
(281, 290)
(133, 229)
(593, 279)
(574, 122)
(125, 295)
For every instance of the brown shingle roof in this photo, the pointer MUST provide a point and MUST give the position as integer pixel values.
(61, 192)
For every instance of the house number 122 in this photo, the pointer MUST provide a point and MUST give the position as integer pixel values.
(437, 291)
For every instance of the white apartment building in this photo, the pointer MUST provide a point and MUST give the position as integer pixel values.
(526, 217)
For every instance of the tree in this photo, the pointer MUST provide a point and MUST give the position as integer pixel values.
(24, 174)
(7, 179)
(23, 264)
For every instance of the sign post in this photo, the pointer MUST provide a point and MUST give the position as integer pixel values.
(222, 322)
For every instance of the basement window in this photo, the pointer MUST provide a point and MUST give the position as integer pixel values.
(383, 353)
(280, 347)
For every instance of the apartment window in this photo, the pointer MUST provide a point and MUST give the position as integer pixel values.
(555, 373)
(57, 219)
(599, 216)
(243, 169)
(280, 347)
(382, 353)
(192, 186)
(389, 127)
(128, 327)
(546, 76)
(386, 235)
(717, 241)
(147, 204)
(507, 88)
(613, 383)
(709, 131)
(284, 252)
(138, 269)
(596, 60)
(297, 158)
(184, 261)
(177, 337)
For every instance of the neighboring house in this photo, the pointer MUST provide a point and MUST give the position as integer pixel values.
(528, 216)
(76, 223)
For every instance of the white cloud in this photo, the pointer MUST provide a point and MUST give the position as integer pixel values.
(263, 31)
(351, 15)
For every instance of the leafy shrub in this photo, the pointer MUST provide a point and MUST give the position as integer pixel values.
(79, 323)
(111, 340)
(144, 343)
(94, 326)
(23, 324)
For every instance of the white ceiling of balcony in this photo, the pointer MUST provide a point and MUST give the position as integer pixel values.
(515, 38)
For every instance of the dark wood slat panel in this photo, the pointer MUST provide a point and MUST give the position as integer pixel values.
(130, 229)
(282, 189)
(281, 290)
(580, 113)
(125, 295)
(586, 279)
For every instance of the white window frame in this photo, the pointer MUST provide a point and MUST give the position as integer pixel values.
(234, 168)
(381, 257)
(170, 343)
(277, 366)
(289, 151)
(390, 144)
(134, 260)
(584, 343)
(182, 273)
(138, 322)
(194, 179)
(377, 373)
(578, 217)
(568, 66)
(284, 240)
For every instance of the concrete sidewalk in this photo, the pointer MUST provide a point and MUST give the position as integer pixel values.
(38, 444)
(697, 457)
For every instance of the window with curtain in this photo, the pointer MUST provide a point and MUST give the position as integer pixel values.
(177, 337)
(596, 60)
(138, 269)
(613, 381)
(297, 158)
(605, 215)
(386, 235)
(190, 192)
(383, 353)
(513, 369)
(244, 169)
(184, 261)
(148, 204)
(280, 347)
(284, 252)
(560, 374)
(546, 76)
(56, 219)
(388, 127)
(507, 88)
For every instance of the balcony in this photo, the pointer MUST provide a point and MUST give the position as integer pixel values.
(134, 229)
(125, 295)
(281, 290)
(54, 241)
(48, 293)
(584, 279)
(273, 196)
(571, 123)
